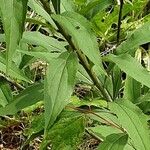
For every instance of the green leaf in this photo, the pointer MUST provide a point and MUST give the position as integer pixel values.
(36, 6)
(59, 84)
(102, 131)
(56, 4)
(82, 36)
(82, 75)
(27, 97)
(5, 92)
(94, 102)
(45, 56)
(117, 82)
(14, 72)
(66, 133)
(144, 102)
(114, 142)
(134, 121)
(132, 89)
(101, 4)
(140, 36)
(13, 17)
(2, 38)
(132, 67)
(36, 38)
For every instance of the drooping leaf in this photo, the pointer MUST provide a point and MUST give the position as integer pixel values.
(134, 121)
(131, 67)
(132, 90)
(82, 36)
(36, 38)
(28, 97)
(140, 36)
(66, 133)
(114, 142)
(13, 13)
(59, 83)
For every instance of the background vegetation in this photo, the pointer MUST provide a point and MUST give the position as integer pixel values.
(74, 74)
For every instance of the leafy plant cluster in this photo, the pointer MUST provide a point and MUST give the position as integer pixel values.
(85, 61)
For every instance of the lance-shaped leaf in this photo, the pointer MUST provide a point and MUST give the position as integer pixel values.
(13, 13)
(82, 36)
(132, 67)
(36, 38)
(114, 142)
(59, 83)
(134, 121)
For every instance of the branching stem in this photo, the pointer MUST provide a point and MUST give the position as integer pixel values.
(81, 56)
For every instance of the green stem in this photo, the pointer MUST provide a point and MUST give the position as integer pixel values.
(81, 57)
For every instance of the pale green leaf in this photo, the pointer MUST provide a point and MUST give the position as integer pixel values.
(13, 14)
(134, 121)
(59, 84)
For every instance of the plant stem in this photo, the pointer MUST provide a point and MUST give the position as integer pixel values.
(119, 21)
(107, 122)
(81, 56)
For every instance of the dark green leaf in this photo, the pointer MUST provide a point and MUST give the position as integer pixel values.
(132, 89)
(28, 97)
(66, 133)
